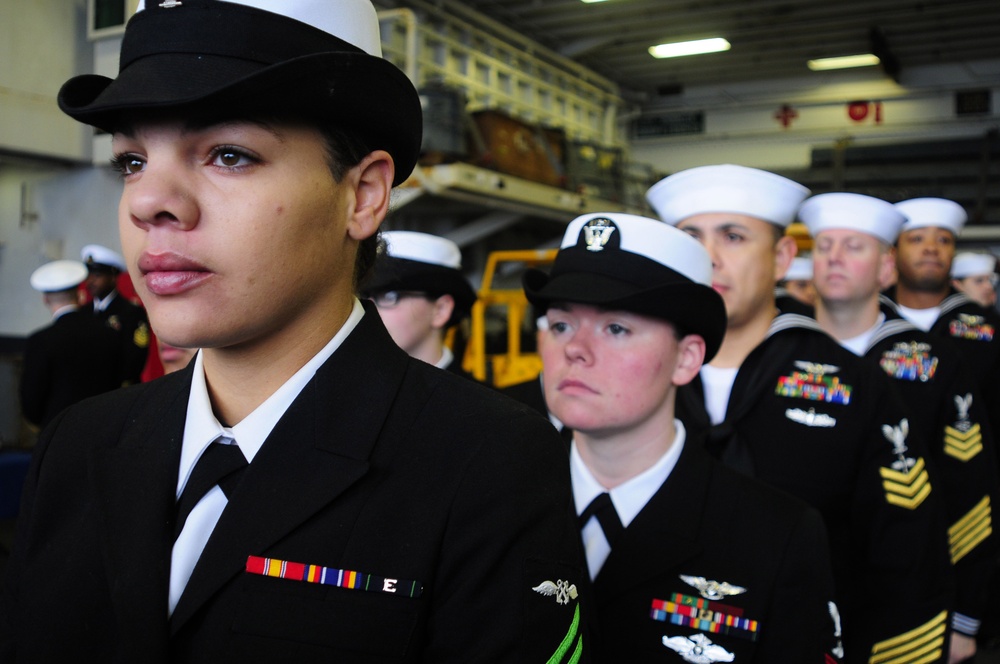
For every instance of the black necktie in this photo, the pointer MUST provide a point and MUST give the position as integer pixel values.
(221, 465)
(604, 510)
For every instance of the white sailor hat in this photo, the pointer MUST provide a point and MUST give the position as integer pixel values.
(422, 262)
(936, 212)
(971, 264)
(801, 269)
(631, 263)
(855, 212)
(423, 247)
(727, 188)
(97, 256)
(58, 276)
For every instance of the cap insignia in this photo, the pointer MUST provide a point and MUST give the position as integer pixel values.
(564, 591)
(698, 649)
(597, 232)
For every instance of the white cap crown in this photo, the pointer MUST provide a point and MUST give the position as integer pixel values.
(933, 212)
(727, 188)
(856, 212)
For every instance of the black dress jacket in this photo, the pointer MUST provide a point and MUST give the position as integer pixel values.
(73, 358)
(720, 562)
(407, 475)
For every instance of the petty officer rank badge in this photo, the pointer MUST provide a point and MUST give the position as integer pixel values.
(909, 361)
(815, 382)
(964, 439)
(969, 326)
(906, 481)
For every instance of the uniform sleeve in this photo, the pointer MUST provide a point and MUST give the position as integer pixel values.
(804, 621)
(34, 381)
(899, 601)
(967, 464)
(511, 554)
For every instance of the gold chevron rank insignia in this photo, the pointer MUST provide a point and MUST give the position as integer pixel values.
(906, 489)
(963, 440)
(966, 533)
(923, 644)
(963, 445)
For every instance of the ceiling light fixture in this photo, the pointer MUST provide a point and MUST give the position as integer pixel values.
(843, 62)
(697, 47)
(592, 1)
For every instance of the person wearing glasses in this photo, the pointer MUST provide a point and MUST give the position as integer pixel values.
(421, 294)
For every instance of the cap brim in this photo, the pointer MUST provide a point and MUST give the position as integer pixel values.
(692, 307)
(365, 93)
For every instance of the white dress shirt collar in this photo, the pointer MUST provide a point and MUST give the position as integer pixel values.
(202, 427)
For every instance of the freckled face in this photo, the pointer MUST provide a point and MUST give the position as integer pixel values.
(234, 232)
(607, 371)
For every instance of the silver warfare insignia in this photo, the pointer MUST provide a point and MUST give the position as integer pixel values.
(810, 418)
(970, 319)
(170, 4)
(897, 436)
(698, 649)
(712, 589)
(597, 232)
(564, 591)
(816, 368)
(963, 404)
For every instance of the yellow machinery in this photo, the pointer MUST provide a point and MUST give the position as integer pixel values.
(513, 366)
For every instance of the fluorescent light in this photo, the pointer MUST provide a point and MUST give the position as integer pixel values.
(844, 62)
(592, 1)
(696, 47)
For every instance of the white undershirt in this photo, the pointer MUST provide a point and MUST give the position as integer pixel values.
(628, 498)
(922, 318)
(718, 386)
(201, 428)
(859, 344)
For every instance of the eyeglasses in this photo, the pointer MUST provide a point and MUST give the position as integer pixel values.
(389, 299)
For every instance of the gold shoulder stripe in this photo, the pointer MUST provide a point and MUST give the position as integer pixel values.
(922, 644)
(963, 445)
(969, 531)
(909, 503)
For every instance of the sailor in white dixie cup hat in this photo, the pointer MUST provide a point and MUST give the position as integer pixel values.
(853, 261)
(631, 316)
(74, 357)
(421, 293)
(781, 400)
(925, 295)
(797, 284)
(304, 490)
(975, 274)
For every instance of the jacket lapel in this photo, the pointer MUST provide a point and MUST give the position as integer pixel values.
(318, 449)
(136, 481)
(665, 533)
